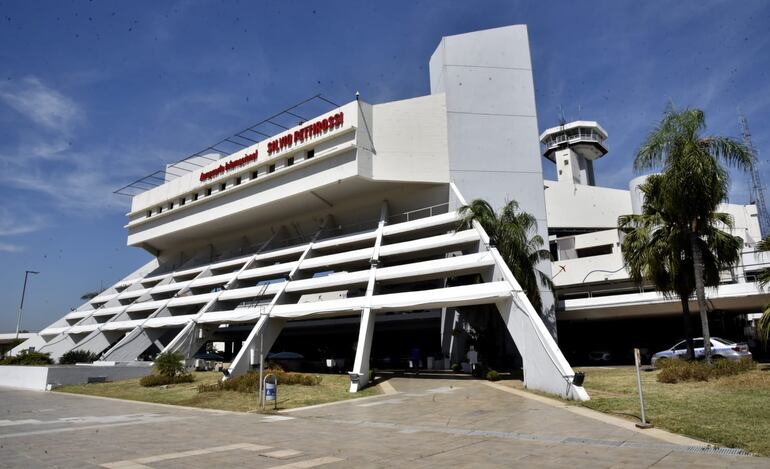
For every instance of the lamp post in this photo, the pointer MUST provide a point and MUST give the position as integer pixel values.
(21, 306)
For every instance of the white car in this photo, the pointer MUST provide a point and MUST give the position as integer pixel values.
(720, 348)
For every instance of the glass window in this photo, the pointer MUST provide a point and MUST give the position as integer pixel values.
(195, 196)
(698, 343)
(254, 174)
(182, 201)
(681, 346)
(289, 161)
(149, 213)
(271, 168)
(238, 181)
(310, 153)
(222, 186)
(208, 191)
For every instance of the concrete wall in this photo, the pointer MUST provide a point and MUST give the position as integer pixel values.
(24, 377)
(580, 206)
(493, 141)
(38, 378)
(411, 134)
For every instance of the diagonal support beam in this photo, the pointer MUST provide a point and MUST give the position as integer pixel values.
(366, 329)
(267, 328)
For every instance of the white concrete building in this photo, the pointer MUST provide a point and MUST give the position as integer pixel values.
(599, 307)
(342, 230)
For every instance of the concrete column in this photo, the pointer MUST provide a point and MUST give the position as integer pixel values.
(366, 330)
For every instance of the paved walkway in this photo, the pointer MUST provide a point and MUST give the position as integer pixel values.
(422, 423)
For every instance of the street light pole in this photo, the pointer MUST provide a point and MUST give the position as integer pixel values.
(21, 306)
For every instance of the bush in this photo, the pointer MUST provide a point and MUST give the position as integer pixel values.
(456, 367)
(249, 382)
(493, 375)
(27, 358)
(77, 356)
(160, 380)
(674, 371)
(170, 364)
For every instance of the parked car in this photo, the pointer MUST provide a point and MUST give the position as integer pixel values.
(720, 348)
(600, 356)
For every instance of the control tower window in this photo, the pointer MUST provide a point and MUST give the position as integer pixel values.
(149, 213)
(195, 196)
(208, 191)
(222, 186)
(182, 201)
(254, 174)
(170, 205)
(289, 161)
(310, 153)
(271, 169)
(238, 181)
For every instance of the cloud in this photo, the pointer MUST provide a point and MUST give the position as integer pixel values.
(14, 223)
(41, 104)
(5, 247)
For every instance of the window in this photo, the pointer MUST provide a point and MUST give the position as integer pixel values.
(170, 205)
(289, 161)
(271, 169)
(182, 201)
(149, 213)
(222, 186)
(238, 181)
(208, 191)
(595, 251)
(160, 209)
(566, 162)
(195, 196)
(310, 153)
(254, 174)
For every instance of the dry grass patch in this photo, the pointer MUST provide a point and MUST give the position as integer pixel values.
(732, 411)
(332, 388)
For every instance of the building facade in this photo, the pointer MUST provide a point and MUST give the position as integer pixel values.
(339, 237)
(602, 315)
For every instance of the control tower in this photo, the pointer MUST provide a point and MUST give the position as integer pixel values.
(574, 147)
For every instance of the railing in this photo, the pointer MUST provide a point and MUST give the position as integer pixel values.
(425, 212)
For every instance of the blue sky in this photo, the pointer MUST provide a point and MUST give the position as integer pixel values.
(95, 94)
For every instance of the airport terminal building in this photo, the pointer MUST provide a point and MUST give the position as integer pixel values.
(335, 235)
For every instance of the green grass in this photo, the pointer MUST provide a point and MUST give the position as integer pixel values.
(332, 388)
(732, 411)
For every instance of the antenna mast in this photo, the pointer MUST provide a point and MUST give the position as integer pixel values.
(757, 189)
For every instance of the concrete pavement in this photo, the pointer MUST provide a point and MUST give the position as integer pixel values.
(421, 423)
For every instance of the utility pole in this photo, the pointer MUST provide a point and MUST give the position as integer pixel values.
(757, 189)
(21, 306)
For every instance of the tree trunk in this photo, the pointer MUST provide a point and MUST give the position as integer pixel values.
(687, 326)
(700, 292)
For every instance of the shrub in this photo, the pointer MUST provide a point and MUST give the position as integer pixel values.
(493, 375)
(170, 364)
(27, 358)
(160, 380)
(249, 382)
(674, 371)
(77, 356)
(456, 367)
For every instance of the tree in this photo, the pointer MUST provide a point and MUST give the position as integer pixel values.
(694, 183)
(656, 249)
(170, 364)
(514, 233)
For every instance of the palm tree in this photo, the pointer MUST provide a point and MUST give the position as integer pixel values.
(656, 249)
(694, 183)
(514, 233)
